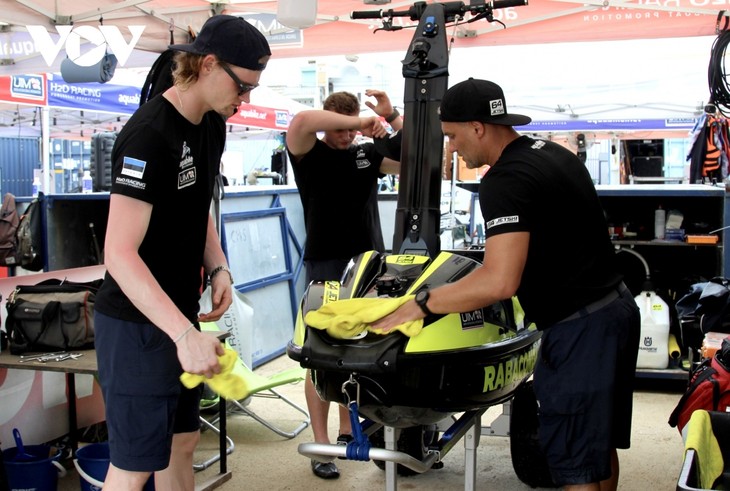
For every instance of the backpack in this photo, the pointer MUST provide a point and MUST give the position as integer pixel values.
(29, 232)
(708, 388)
(9, 221)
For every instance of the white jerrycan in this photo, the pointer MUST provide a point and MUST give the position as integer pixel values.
(654, 340)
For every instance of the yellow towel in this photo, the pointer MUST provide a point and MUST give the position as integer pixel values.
(701, 438)
(349, 317)
(226, 383)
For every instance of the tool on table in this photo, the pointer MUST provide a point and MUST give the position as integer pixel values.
(66, 356)
(39, 356)
(45, 357)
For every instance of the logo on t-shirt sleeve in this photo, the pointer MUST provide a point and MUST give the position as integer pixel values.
(133, 167)
(502, 221)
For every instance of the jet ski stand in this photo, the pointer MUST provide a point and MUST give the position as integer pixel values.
(466, 426)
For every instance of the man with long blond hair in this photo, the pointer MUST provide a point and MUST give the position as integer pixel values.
(160, 235)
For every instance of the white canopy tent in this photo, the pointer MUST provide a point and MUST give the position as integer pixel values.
(557, 58)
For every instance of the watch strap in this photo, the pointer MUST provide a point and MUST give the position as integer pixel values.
(422, 300)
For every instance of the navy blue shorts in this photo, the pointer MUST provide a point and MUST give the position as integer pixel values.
(584, 383)
(145, 402)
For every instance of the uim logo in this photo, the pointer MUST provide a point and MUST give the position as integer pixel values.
(70, 37)
(30, 86)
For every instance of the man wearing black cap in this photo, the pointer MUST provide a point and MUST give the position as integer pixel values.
(571, 289)
(160, 236)
(337, 183)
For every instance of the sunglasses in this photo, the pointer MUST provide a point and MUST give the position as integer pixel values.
(243, 87)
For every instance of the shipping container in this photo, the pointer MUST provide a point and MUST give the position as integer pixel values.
(18, 158)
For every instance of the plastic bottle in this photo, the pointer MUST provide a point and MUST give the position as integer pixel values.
(654, 341)
(36, 186)
(660, 222)
(86, 182)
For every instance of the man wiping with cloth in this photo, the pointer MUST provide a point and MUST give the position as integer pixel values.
(349, 317)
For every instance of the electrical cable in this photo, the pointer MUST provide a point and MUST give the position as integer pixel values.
(716, 74)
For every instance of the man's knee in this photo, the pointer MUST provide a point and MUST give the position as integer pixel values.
(185, 442)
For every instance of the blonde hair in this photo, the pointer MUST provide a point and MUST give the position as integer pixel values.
(186, 68)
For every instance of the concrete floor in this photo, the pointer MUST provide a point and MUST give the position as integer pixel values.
(265, 461)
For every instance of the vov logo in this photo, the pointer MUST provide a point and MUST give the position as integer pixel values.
(70, 37)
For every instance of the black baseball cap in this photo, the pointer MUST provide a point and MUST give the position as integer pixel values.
(232, 40)
(478, 100)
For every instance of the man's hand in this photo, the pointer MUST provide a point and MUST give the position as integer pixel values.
(372, 127)
(221, 298)
(198, 353)
(383, 108)
(409, 311)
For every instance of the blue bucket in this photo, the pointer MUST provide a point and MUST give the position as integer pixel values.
(38, 474)
(92, 463)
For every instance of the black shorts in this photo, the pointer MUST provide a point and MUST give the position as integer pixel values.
(145, 402)
(584, 383)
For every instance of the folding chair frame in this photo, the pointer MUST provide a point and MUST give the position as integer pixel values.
(261, 387)
(230, 446)
(272, 394)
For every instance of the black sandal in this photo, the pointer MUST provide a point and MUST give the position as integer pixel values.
(325, 470)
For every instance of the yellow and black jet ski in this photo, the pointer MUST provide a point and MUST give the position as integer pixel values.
(457, 362)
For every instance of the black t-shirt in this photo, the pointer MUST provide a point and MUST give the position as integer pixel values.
(542, 188)
(161, 158)
(338, 189)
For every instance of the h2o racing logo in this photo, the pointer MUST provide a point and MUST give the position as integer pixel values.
(102, 37)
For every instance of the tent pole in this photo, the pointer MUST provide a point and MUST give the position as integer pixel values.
(46, 149)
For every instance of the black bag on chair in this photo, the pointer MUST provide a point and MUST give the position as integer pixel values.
(53, 315)
(704, 308)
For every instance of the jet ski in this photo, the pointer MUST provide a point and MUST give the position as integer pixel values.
(458, 362)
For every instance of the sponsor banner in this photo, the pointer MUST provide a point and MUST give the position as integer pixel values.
(610, 124)
(24, 89)
(120, 99)
(261, 117)
(277, 34)
(566, 21)
(53, 91)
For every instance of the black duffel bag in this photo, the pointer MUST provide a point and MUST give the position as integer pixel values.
(53, 315)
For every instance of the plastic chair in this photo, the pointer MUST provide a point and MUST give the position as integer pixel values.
(262, 387)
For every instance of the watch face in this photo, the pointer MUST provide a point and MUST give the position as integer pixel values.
(421, 299)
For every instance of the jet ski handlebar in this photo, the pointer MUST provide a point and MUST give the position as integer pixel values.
(451, 9)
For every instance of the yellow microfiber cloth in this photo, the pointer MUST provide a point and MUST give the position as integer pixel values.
(701, 438)
(226, 383)
(347, 318)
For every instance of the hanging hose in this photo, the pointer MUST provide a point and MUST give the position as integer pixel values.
(648, 286)
(717, 80)
(641, 258)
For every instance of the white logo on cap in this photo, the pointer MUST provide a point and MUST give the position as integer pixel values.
(496, 107)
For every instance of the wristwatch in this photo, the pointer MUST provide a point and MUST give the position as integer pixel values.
(422, 299)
